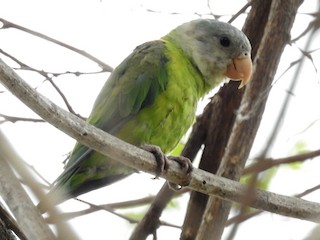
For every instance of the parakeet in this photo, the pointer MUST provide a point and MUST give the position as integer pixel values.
(151, 97)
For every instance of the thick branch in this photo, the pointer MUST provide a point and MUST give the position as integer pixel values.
(276, 34)
(219, 209)
(218, 125)
(28, 217)
(144, 161)
(34, 225)
(8, 225)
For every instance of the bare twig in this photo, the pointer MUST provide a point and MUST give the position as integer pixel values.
(46, 183)
(7, 24)
(286, 102)
(308, 191)
(106, 207)
(7, 118)
(312, 27)
(241, 11)
(117, 205)
(65, 100)
(264, 164)
(47, 75)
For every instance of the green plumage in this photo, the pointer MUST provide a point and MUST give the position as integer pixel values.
(151, 98)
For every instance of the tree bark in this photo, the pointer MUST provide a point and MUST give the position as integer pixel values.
(28, 217)
(223, 121)
(276, 34)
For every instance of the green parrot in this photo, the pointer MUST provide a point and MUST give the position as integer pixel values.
(152, 96)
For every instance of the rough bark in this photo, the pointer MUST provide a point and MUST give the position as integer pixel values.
(223, 121)
(276, 34)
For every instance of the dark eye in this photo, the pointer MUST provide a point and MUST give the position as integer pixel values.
(225, 41)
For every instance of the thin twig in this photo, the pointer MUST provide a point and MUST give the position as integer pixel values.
(241, 11)
(47, 75)
(64, 98)
(312, 27)
(7, 118)
(104, 66)
(117, 205)
(105, 207)
(264, 164)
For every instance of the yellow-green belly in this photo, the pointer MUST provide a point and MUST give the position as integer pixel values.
(164, 122)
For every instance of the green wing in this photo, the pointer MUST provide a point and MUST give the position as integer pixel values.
(132, 86)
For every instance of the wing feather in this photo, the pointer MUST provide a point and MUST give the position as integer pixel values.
(132, 86)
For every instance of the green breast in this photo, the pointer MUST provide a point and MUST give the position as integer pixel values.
(165, 121)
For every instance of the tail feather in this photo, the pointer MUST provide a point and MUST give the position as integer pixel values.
(59, 194)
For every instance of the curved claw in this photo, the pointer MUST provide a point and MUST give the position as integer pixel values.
(161, 159)
(186, 165)
(162, 165)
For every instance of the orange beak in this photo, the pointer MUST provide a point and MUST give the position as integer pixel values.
(240, 69)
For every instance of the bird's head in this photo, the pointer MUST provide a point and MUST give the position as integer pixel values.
(217, 49)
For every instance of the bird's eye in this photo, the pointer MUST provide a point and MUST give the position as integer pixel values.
(225, 41)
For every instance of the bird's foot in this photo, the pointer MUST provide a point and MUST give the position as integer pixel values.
(186, 165)
(161, 159)
(162, 165)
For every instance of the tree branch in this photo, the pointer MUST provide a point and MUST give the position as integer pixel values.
(10, 224)
(280, 118)
(249, 214)
(141, 160)
(48, 76)
(264, 164)
(28, 217)
(217, 120)
(7, 118)
(16, 198)
(104, 66)
(276, 33)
